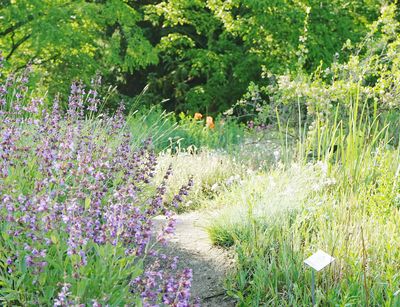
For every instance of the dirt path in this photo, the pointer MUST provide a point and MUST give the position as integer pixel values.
(209, 264)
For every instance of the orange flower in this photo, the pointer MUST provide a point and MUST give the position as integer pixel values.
(210, 122)
(198, 116)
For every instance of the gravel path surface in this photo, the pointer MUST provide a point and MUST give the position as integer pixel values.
(209, 264)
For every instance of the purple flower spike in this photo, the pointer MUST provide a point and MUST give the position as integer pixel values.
(82, 187)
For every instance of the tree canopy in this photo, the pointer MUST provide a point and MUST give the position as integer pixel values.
(192, 54)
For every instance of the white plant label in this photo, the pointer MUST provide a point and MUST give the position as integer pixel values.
(319, 260)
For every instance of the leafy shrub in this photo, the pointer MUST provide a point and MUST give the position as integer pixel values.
(225, 135)
(77, 202)
(370, 75)
(184, 133)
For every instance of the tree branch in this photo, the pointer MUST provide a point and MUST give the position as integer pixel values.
(16, 45)
(29, 19)
(16, 26)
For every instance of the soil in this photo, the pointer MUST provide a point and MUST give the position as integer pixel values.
(209, 264)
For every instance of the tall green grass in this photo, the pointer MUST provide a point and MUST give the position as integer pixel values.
(344, 199)
(183, 133)
(213, 173)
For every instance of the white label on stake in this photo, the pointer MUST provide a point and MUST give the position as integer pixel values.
(319, 260)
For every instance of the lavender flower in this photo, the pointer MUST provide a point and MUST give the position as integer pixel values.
(62, 297)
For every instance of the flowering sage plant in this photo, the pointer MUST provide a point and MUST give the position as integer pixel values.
(77, 207)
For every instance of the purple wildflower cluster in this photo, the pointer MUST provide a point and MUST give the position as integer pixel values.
(70, 181)
(174, 290)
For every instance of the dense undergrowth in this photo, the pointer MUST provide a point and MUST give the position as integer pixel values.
(184, 132)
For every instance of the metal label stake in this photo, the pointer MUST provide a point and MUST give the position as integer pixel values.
(317, 262)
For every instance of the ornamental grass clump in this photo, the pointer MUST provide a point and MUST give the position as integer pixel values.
(77, 207)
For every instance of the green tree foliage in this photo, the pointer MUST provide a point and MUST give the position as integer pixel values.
(365, 86)
(210, 50)
(202, 65)
(194, 54)
(69, 40)
(371, 74)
